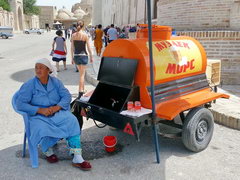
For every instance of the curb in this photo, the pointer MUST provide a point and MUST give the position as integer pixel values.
(225, 120)
(219, 118)
(90, 79)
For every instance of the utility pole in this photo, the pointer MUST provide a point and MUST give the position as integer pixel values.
(145, 12)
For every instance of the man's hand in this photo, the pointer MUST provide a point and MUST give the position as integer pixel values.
(55, 109)
(45, 111)
(49, 111)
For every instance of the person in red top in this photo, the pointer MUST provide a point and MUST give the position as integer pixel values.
(60, 51)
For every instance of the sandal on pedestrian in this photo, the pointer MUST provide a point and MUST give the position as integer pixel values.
(86, 166)
(52, 159)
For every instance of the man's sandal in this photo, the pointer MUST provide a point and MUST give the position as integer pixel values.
(86, 166)
(52, 159)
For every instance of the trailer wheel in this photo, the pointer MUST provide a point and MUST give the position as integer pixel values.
(198, 129)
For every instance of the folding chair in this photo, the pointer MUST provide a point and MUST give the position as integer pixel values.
(33, 150)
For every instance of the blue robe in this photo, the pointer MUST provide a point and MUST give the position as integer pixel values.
(47, 130)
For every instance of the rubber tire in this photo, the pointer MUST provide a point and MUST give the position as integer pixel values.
(27, 32)
(189, 138)
(4, 37)
(39, 33)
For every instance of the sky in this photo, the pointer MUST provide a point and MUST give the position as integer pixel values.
(59, 3)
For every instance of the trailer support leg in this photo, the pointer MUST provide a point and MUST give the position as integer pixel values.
(157, 149)
(149, 13)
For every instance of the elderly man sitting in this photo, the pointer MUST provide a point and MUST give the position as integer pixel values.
(46, 101)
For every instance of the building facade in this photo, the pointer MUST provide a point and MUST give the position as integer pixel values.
(86, 6)
(215, 23)
(180, 14)
(47, 16)
(97, 12)
(16, 18)
(6, 18)
(121, 12)
(31, 21)
(80, 11)
(17, 9)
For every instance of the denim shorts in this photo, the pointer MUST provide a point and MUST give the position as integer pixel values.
(81, 59)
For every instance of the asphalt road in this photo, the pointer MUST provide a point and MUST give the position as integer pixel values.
(133, 160)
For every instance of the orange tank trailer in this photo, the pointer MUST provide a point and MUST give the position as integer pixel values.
(177, 60)
(181, 88)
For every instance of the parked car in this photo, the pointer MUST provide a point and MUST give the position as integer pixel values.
(33, 30)
(6, 32)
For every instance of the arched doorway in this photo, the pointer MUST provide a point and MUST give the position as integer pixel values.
(20, 19)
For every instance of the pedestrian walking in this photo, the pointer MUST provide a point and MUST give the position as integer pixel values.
(122, 35)
(98, 40)
(60, 51)
(74, 28)
(112, 33)
(126, 29)
(106, 36)
(79, 43)
(92, 33)
(66, 33)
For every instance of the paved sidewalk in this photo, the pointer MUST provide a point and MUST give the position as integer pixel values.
(132, 161)
(226, 111)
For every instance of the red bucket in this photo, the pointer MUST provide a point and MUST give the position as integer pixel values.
(110, 143)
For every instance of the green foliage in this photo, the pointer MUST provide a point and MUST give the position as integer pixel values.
(5, 5)
(30, 8)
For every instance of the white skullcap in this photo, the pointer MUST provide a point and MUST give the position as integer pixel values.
(47, 63)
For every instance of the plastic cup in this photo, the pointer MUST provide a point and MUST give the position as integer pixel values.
(137, 106)
(130, 106)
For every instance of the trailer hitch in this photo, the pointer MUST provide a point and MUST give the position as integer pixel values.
(89, 114)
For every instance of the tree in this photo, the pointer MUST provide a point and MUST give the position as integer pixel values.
(5, 5)
(30, 8)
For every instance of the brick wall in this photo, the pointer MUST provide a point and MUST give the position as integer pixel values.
(198, 14)
(224, 45)
(235, 15)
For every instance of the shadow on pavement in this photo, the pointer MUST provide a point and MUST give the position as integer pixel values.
(68, 77)
(134, 160)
